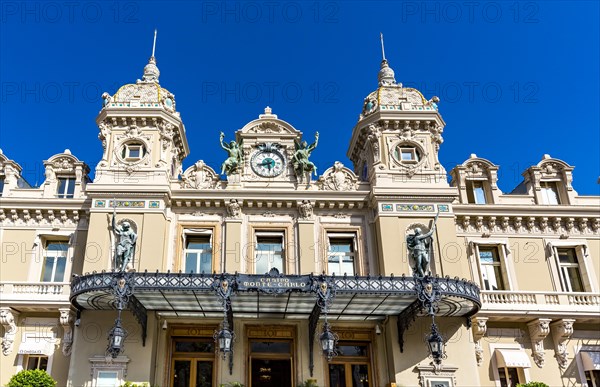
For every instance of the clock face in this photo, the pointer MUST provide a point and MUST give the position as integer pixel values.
(268, 163)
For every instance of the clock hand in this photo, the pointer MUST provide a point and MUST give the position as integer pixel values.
(269, 163)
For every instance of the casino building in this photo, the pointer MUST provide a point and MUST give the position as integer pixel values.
(273, 275)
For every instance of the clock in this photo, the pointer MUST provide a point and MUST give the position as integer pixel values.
(268, 162)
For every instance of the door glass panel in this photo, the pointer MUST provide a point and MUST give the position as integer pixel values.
(352, 350)
(204, 373)
(271, 373)
(360, 375)
(337, 375)
(194, 346)
(181, 373)
(270, 346)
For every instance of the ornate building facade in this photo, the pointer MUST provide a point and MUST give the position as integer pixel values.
(179, 278)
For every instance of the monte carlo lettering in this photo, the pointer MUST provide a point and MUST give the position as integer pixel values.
(270, 284)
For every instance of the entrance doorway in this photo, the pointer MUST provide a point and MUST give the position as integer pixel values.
(193, 363)
(352, 366)
(271, 363)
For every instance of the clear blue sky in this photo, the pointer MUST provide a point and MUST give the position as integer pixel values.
(517, 79)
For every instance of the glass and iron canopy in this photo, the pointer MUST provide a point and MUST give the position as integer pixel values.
(192, 295)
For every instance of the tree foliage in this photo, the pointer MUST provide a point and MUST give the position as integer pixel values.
(31, 378)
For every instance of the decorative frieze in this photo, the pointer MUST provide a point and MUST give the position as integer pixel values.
(538, 330)
(561, 333)
(103, 203)
(540, 225)
(412, 207)
(29, 217)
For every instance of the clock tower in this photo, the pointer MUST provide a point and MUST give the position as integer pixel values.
(269, 146)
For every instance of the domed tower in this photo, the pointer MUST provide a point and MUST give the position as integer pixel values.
(142, 134)
(396, 140)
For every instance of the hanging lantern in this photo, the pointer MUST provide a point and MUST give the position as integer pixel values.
(116, 339)
(224, 339)
(328, 341)
(435, 343)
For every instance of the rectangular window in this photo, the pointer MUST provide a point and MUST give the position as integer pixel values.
(549, 193)
(198, 254)
(107, 379)
(569, 270)
(491, 268)
(509, 376)
(36, 362)
(133, 151)
(269, 252)
(340, 257)
(476, 192)
(66, 187)
(55, 261)
(1, 185)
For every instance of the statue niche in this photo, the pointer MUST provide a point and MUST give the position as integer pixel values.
(419, 247)
(126, 232)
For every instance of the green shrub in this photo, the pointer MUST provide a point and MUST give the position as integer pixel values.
(130, 384)
(232, 384)
(532, 384)
(31, 378)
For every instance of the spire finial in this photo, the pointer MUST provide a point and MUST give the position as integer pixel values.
(154, 44)
(386, 74)
(151, 72)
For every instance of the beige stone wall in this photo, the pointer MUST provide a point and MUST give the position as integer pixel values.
(18, 254)
(90, 339)
(459, 349)
(151, 247)
(41, 326)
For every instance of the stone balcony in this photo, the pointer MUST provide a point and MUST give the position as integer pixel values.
(35, 296)
(534, 304)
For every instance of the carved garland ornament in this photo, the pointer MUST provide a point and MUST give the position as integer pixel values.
(338, 178)
(479, 330)
(199, 176)
(7, 319)
(538, 330)
(561, 333)
(66, 320)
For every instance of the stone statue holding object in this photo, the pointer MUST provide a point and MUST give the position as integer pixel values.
(125, 247)
(418, 245)
(300, 159)
(236, 156)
